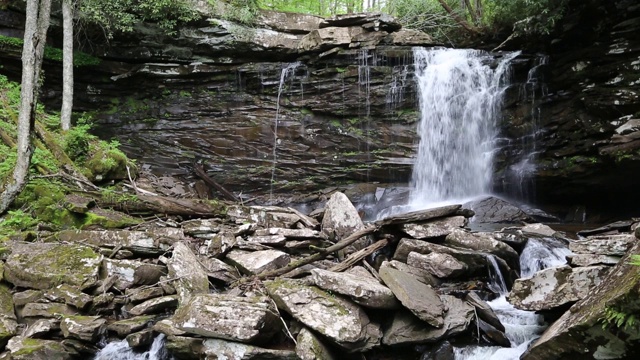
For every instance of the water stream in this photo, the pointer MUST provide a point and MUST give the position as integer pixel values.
(120, 350)
(521, 327)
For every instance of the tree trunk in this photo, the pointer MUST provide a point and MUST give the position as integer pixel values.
(479, 10)
(35, 35)
(459, 19)
(473, 14)
(67, 64)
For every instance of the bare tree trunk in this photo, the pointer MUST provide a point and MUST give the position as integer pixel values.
(479, 10)
(459, 19)
(35, 35)
(473, 14)
(67, 64)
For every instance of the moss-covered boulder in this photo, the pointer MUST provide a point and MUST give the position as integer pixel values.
(43, 265)
(7, 316)
(21, 348)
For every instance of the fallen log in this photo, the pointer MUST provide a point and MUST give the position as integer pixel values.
(357, 256)
(145, 204)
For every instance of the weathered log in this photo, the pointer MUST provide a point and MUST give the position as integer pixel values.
(199, 170)
(144, 204)
(425, 215)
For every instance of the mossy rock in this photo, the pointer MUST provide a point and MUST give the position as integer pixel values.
(37, 349)
(1, 268)
(43, 266)
(107, 219)
(107, 164)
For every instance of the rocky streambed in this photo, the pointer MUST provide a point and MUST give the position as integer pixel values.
(267, 282)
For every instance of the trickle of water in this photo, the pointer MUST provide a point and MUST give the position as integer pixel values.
(395, 95)
(284, 74)
(460, 99)
(120, 350)
(521, 327)
(496, 280)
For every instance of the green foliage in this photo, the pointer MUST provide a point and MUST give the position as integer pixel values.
(532, 16)
(51, 53)
(76, 142)
(315, 7)
(122, 15)
(619, 319)
(16, 220)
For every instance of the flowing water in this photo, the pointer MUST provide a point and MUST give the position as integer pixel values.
(120, 350)
(286, 72)
(460, 99)
(521, 327)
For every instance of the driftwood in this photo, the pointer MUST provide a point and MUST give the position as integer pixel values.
(144, 204)
(357, 256)
(199, 170)
(424, 215)
(315, 257)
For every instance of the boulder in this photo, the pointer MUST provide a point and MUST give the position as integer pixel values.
(437, 264)
(419, 298)
(421, 275)
(584, 333)
(148, 274)
(219, 270)
(228, 350)
(255, 262)
(22, 298)
(554, 287)
(310, 347)
(69, 295)
(494, 210)
(407, 329)
(476, 262)
(366, 291)
(289, 22)
(202, 228)
(185, 267)
(484, 242)
(590, 260)
(228, 317)
(40, 328)
(122, 270)
(383, 21)
(85, 328)
(497, 336)
(434, 228)
(21, 348)
(442, 351)
(613, 245)
(408, 37)
(131, 325)
(328, 37)
(341, 218)
(139, 295)
(155, 306)
(140, 339)
(46, 310)
(292, 234)
(334, 317)
(538, 229)
(8, 324)
(45, 265)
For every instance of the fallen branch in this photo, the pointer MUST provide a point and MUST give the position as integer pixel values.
(315, 257)
(459, 19)
(357, 256)
(199, 170)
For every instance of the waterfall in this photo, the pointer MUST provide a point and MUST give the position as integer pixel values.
(460, 98)
(120, 350)
(521, 327)
(284, 74)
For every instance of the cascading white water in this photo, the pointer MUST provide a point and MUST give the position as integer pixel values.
(521, 327)
(460, 97)
(120, 350)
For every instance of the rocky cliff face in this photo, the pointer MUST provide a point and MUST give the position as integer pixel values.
(583, 111)
(347, 109)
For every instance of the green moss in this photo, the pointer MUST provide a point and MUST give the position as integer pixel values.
(107, 219)
(50, 53)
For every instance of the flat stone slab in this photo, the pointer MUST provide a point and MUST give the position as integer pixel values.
(221, 349)
(421, 215)
(185, 267)
(21, 348)
(292, 234)
(69, 295)
(46, 310)
(131, 325)
(255, 262)
(612, 245)
(155, 306)
(228, 317)
(434, 228)
(475, 261)
(366, 291)
(334, 317)
(45, 265)
(590, 259)
(263, 216)
(553, 287)
(484, 311)
(407, 329)
(419, 298)
(538, 229)
(148, 243)
(484, 242)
